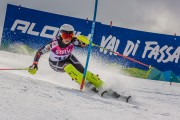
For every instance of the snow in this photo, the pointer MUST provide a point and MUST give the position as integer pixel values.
(50, 95)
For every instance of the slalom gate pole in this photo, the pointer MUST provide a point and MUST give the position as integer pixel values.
(117, 53)
(14, 68)
(89, 48)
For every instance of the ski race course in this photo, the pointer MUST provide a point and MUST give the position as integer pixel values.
(49, 95)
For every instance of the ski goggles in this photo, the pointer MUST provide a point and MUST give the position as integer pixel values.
(67, 35)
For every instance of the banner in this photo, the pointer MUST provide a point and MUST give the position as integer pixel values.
(36, 28)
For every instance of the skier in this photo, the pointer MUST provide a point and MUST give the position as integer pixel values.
(61, 59)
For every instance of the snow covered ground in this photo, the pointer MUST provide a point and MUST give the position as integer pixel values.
(49, 95)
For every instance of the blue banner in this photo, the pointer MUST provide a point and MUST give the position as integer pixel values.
(35, 28)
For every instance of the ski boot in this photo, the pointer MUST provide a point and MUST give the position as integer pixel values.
(91, 87)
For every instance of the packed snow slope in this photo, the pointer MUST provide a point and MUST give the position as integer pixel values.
(50, 95)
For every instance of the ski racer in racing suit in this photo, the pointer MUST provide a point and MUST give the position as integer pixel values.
(61, 58)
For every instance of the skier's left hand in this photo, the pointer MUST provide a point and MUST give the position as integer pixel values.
(83, 44)
(83, 40)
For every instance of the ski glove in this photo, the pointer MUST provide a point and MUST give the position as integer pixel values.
(83, 40)
(33, 68)
(83, 44)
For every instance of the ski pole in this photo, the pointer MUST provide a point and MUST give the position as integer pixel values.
(117, 53)
(85, 40)
(14, 68)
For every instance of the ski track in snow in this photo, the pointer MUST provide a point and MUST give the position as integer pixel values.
(53, 96)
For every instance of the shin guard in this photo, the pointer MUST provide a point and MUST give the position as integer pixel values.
(77, 76)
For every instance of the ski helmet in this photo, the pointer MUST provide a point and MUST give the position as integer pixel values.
(67, 28)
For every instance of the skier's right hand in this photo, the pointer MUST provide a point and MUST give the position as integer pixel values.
(33, 68)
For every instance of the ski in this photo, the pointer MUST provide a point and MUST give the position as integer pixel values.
(109, 93)
(115, 95)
